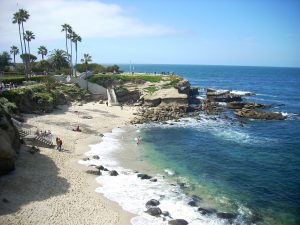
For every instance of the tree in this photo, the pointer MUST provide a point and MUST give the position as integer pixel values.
(28, 58)
(59, 59)
(42, 50)
(28, 37)
(70, 37)
(20, 17)
(15, 51)
(17, 19)
(66, 28)
(4, 60)
(85, 60)
(76, 38)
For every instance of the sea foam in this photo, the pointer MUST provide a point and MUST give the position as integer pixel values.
(132, 193)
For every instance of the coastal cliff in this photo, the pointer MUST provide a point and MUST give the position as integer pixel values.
(9, 142)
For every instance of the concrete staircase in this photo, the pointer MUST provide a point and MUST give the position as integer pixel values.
(111, 96)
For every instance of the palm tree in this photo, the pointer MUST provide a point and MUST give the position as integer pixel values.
(20, 17)
(66, 28)
(59, 58)
(17, 19)
(24, 16)
(42, 50)
(85, 60)
(70, 36)
(15, 51)
(76, 38)
(28, 37)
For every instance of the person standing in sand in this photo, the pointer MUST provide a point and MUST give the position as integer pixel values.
(138, 140)
(59, 144)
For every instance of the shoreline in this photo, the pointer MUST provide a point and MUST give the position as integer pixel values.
(51, 187)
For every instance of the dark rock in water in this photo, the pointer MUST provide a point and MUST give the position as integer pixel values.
(192, 203)
(206, 211)
(152, 202)
(252, 114)
(113, 173)
(183, 185)
(100, 167)
(155, 211)
(86, 159)
(246, 105)
(144, 176)
(94, 172)
(153, 180)
(196, 198)
(96, 157)
(178, 222)
(228, 216)
(166, 213)
(105, 169)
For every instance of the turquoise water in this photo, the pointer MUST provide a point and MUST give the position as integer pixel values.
(248, 170)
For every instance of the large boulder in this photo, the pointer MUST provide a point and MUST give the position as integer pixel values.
(152, 202)
(9, 143)
(154, 211)
(252, 114)
(183, 87)
(178, 222)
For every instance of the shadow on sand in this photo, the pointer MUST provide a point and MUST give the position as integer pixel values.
(35, 179)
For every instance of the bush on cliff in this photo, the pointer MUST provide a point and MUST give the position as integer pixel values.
(110, 79)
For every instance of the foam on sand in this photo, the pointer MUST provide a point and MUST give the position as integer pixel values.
(132, 193)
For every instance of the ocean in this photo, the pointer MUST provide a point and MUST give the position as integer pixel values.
(251, 171)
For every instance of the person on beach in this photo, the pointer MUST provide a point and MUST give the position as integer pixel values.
(138, 140)
(77, 129)
(106, 103)
(59, 144)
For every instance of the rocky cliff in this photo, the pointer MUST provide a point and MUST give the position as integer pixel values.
(9, 142)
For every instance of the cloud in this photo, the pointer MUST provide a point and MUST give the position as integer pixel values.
(89, 18)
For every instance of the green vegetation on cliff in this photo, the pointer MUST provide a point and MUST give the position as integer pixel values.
(124, 78)
(40, 97)
(20, 79)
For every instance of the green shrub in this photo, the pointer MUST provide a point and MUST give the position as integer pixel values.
(43, 98)
(150, 89)
(121, 90)
(7, 105)
(20, 79)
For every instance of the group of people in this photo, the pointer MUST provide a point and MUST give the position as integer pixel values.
(58, 143)
(4, 86)
(43, 133)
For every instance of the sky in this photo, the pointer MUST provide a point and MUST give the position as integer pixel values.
(204, 32)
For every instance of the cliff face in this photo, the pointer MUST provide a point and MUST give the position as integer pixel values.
(9, 143)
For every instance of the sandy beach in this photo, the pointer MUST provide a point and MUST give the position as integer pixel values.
(50, 187)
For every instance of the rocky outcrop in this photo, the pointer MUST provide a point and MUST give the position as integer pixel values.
(9, 143)
(253, 114)
(127, 96)
(246, 105)
(163, 97)
(183, 87)
(161, 113)
(222, 96)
